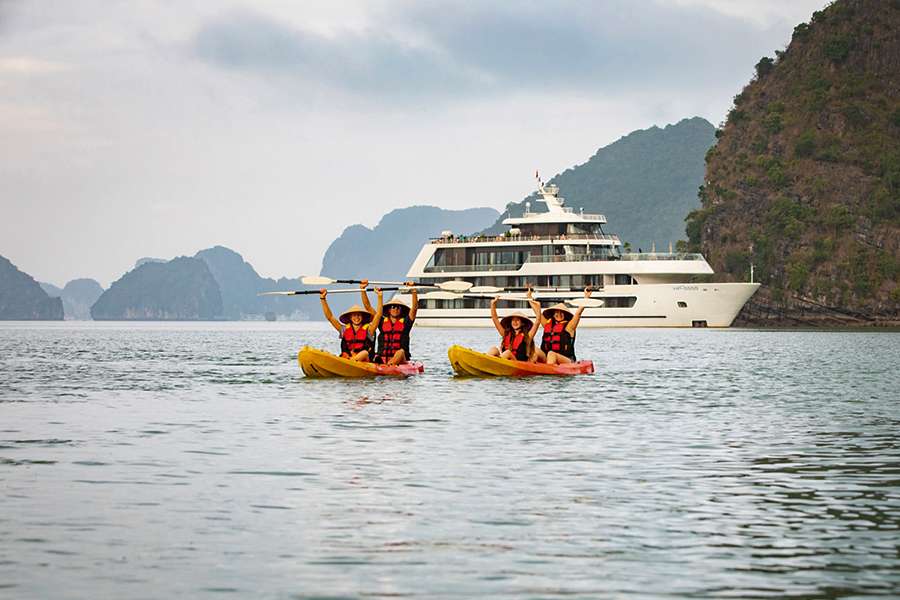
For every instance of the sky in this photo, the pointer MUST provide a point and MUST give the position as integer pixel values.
(136, 128)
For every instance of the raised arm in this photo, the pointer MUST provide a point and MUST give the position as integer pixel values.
(327, 310)
(494, 316)
(376, 320)
(573, 324)
(534, 329)
(536, 307)
(365, 297)
(415, 301)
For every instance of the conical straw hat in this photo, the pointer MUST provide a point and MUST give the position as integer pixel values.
(397, 302)
(356, 308)
(548, 312)
(527, 322)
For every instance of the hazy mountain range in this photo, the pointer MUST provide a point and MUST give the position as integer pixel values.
(645, 183)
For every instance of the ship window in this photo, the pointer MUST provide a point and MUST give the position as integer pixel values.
(619, 301)
(624, 280)
(682, 304)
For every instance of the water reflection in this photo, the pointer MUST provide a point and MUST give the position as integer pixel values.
(194, 460)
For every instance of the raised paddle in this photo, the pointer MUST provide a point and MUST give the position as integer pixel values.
(306, 292)
(449, 286)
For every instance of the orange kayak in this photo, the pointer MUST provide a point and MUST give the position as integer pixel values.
(477, 364)
(318, 364)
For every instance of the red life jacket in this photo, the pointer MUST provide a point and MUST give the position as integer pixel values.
(516, 344)
(353, 341)
(558, 340)
(393, 336)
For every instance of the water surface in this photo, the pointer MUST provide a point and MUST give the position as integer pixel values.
(193, 459)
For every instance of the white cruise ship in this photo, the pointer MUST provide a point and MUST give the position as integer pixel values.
(559, 252)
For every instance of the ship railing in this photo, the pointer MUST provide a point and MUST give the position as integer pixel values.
(568, 210)
(557, 258)
(463, 268)
(564, 258)
(661, 256)
(494, 239)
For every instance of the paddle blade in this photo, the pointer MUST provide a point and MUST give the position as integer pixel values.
(585, 302)
(316, 280)
(454, 286)
(439, 296)
(485, 289)
(277, 294)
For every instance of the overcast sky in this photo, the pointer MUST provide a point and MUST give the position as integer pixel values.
(138, 128)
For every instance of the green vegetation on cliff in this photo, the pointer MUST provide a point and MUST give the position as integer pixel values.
(23, 299)
(805, 179)
(645, 183)
(181, 289)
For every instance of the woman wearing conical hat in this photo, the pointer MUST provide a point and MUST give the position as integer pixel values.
(516, 335)
(356, 327)
(559, 323)
(394, 326)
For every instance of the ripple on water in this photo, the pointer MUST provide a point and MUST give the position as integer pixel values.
(196, 459)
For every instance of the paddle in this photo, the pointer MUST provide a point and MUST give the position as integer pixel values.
(305, 292)
(585, 302)
(450, 286)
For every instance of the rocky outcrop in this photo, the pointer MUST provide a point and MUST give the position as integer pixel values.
(804, 182)
(178, 290)
(240, 286)
(22, 299)
(77, 297)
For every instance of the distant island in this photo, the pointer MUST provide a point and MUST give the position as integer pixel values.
(215, 284)
(77, 297)
(240, 286)
(178, 290)
(804, 183)
(23, 299)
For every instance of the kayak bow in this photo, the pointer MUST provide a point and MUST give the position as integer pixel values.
(318, 363)
(468, 362)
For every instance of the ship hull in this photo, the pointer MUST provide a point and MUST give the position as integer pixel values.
(656, 305)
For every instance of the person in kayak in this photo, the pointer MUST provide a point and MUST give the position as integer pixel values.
(517, 335)
(559, 323)
(356, 326)
(393, 327)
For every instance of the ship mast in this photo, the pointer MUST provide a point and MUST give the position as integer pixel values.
(550, 195)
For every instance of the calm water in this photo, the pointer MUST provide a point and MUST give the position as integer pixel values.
(160, 460)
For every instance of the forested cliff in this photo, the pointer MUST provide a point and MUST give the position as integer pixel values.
(804, 182)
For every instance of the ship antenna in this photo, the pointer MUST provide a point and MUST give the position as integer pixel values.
(540, 183)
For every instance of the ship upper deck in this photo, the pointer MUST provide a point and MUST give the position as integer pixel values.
(518, 240)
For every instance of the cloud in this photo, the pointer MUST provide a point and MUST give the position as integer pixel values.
(357, 62)
(25, 65)
(462, 49)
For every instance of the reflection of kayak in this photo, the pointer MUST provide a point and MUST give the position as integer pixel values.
(317, 363)
(477, 364)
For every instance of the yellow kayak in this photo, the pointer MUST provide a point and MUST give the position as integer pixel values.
(466, 361)
(318, 363)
